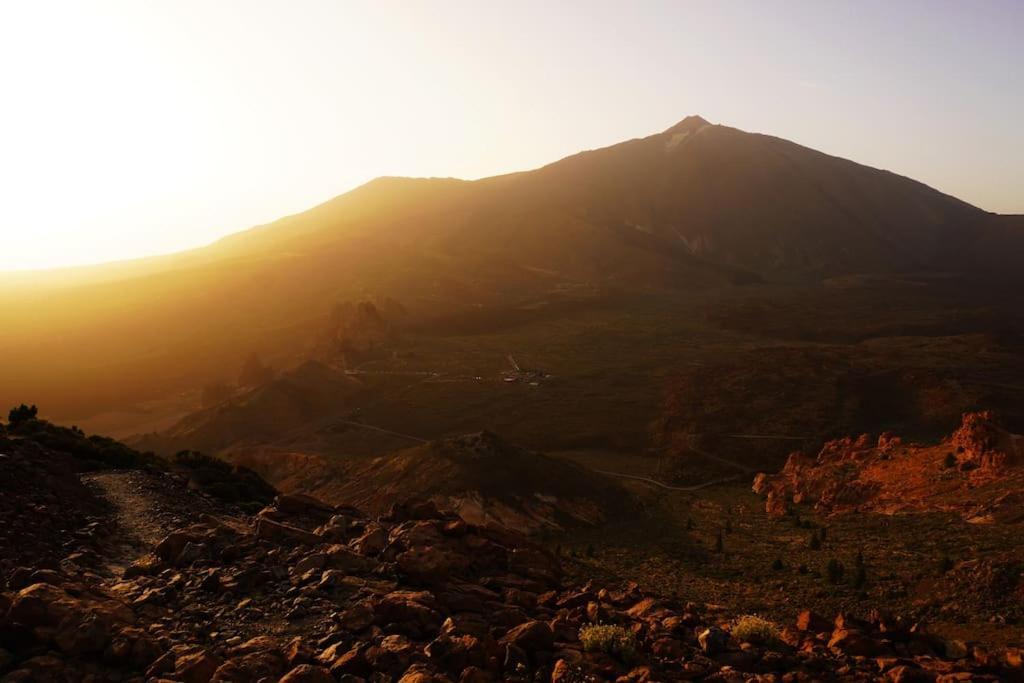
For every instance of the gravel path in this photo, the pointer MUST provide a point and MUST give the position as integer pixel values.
(147, 507)
(137, 512)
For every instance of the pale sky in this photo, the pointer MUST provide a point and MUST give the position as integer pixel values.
(137, 127)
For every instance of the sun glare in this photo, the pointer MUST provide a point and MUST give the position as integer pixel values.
(133, 128)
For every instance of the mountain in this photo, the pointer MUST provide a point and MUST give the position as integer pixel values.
(697, 206)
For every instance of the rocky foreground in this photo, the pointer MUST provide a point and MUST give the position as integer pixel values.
(306, 592)
(303, 591)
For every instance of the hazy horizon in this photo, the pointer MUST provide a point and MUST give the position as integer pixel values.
(146, 130)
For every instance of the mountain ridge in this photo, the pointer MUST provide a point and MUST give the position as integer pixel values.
(718, 208)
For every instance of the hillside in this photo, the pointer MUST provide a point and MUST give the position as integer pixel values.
(697, 206)
(256, 414)
(142, 576)
(484, 480)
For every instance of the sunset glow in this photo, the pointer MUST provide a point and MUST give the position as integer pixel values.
(132, 128)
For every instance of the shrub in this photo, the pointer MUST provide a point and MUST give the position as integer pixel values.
(949, 461)
(835, 571)
(22, 413)
(815, 542)
(754, 629)
(94, 452)
(613, 640)
(232, 484)
(861, 577)
(777, 565)
(195, 460)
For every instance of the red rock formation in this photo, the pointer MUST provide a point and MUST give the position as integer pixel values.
(972, 469)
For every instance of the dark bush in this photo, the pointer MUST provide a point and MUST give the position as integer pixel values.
(861, 577)
(835, 571)
(22, 413)
(222, 480)
(194, 460)
(94, 452)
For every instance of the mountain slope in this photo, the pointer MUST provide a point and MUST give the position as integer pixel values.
(695, 206)
(485, 480)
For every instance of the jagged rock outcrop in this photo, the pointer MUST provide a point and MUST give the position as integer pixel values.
(975, 472)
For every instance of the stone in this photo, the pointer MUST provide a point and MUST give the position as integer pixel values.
(198, 667)
(372, 542)
(531, 636)
(713, 640)
(307, 673)
(812, 622)
(270, 530)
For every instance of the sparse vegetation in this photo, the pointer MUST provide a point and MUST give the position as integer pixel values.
(753, 629)
(95, 452)
(610, 639)
(220, 479)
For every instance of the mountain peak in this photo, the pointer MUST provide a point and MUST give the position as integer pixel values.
(689, 124)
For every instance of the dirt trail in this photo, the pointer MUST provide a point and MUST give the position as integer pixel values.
(667, 487)
(147, 506)
(134, 514)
